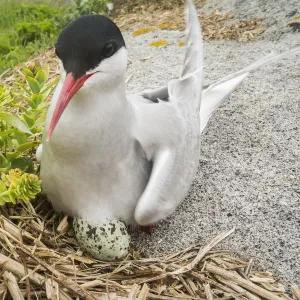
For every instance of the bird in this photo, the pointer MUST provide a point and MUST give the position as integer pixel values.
(107, 155)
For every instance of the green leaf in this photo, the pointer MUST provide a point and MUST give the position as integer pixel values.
(23, 97)
(37, 68)
(23, 163)
(3, 192)
(41, 76)
(41, 120)
(2, 144)
(14, 122)
(10, 156)
(4, 170)
(9, 144)
(34, 85)
(3, 187)
(27, 72)
(26, 146)
(5, 199)
(29, 121)
(11, 199)
(37, 130)
(46, 69)
(21, 107)
(15, 143)
(23, 87)
(43, 106)
(53, 83)
(21, 137)
(7, 132)
(3, 160)
(31, 103)
(37, 99)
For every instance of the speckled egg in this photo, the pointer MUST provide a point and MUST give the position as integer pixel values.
(108, 241)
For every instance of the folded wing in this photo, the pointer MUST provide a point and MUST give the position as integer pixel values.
(173, 145)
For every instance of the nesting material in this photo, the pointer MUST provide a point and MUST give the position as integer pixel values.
(41, 259)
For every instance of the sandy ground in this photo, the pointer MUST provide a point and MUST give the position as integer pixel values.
(250, 163)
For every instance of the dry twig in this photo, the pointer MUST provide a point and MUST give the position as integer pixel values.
(60, 270)
(242, 282)
(12, 285)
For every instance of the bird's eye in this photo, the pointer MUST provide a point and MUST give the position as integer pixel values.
(109, 50)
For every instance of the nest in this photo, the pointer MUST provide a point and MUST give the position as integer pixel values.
(40, 259)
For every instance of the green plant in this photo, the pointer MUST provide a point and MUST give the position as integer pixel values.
(17, 185)
(32, 31)
(28, 27)
(22, 117)
(85, 7)
(21, 131)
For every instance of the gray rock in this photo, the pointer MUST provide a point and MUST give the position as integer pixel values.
(249, 167)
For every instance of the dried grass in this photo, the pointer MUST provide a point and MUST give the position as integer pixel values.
(40, 259)
(169, 15)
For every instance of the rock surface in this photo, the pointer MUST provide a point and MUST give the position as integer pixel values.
(250, 161)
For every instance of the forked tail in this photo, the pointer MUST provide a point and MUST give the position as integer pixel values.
(216, 93)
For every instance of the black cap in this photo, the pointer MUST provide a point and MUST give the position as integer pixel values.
(86, 41)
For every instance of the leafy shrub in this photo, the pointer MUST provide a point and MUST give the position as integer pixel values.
(21, 132)
(34, 11)
(85, 7)
(27, 28)
(22, 117)
(17, 185)
(31, 31)
(4, 46)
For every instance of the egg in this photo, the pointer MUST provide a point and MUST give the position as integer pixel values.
(107, 241)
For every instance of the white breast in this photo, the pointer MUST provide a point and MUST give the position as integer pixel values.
(93, 167)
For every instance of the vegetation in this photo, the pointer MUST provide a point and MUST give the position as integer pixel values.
(27, 27)
(22, 117)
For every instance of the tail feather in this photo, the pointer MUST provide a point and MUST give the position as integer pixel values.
(215, 96)
(259, 63)
(193, 60)
(217, 93)
(187, 90)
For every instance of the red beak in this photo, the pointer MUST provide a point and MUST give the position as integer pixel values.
(69, 89)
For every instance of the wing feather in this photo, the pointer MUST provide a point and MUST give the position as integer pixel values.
(175, 159)
(216, 93)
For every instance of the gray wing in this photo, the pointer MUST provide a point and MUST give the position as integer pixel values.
(172, 142)
(215, 94)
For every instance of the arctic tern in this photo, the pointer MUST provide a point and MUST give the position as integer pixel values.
(106, 155)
